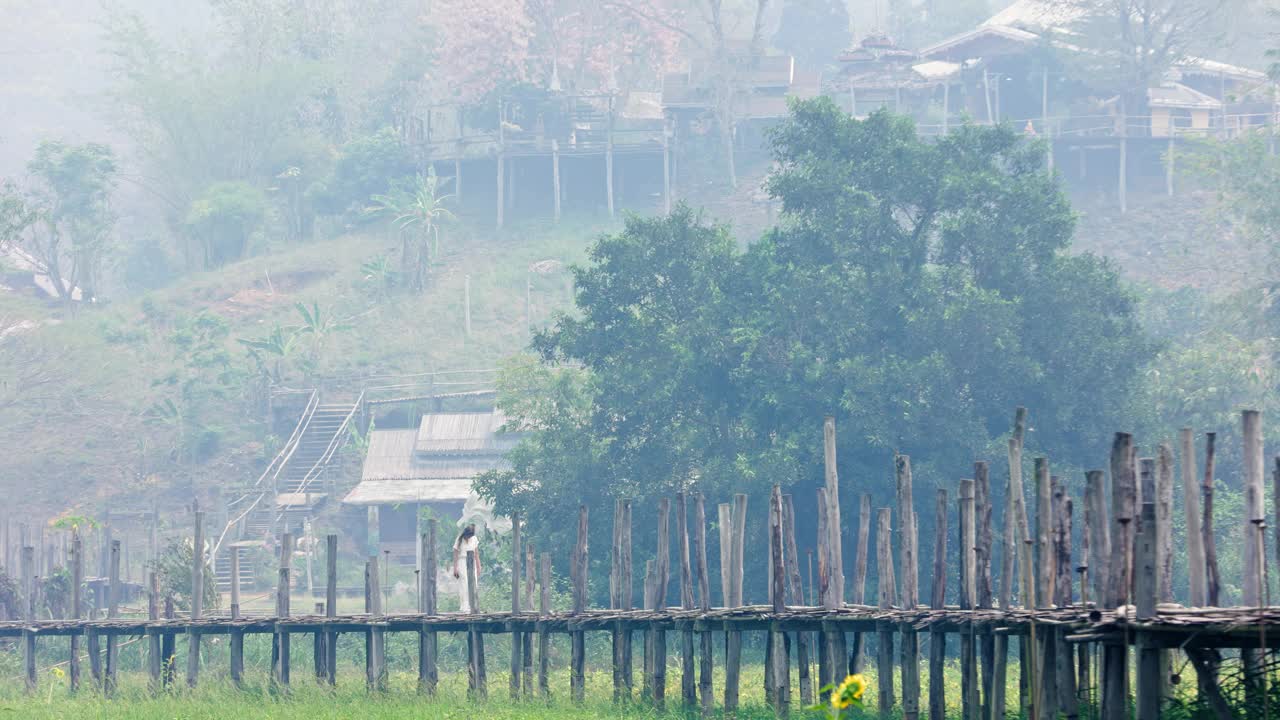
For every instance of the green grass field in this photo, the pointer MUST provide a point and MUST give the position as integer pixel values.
(215, 697)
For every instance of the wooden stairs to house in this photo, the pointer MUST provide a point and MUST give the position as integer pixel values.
(291, 489)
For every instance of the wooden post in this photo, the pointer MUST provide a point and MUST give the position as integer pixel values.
(1146, 582)
(938, 638)
(733, 636)
(555, 176)
(29, 660)
(832, 486)
(856, 655)
(280, 638)
(887, 593)
(544, 638)
(428, 672)
(626, 592)
(615, 599)
(1251, 538)
(168, 649)
(1045, 691)
(1063, 660)
(1115, 656)
(113, 611)
(796, 595)
(577, 677)
(77, 613)
(530, 587)
(375, 638)
(517, 662)
(235, 582)
(1191, 513)
(970, 704)
(910, 596)
(688, 678)
(707, 654)
(724, 513)
(154, 663)
(331, 606)
(778, 660)
(1212, 583)
(318, 653)
(197, 595)
(826, 674)
(984, 592)
(477, 686)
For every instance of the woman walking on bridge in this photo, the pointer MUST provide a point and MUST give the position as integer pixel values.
(467, 542)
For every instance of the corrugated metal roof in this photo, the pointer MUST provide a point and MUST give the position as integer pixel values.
(449, 433)
(391, 492)
(392, 456)
(1177, 95)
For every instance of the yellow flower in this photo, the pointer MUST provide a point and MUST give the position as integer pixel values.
(57, 672)
(849, 692)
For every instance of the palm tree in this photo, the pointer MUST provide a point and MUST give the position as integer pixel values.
(417, 214)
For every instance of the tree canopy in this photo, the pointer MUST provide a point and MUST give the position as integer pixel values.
(916, 289)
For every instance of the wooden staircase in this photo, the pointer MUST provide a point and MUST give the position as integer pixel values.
(291, 490)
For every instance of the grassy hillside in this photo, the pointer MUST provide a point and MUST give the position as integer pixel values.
(86, 433)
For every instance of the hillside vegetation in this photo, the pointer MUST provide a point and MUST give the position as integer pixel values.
(91, 420)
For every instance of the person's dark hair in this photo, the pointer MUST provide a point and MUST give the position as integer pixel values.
(466, 533)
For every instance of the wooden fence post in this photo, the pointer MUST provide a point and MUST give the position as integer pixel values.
(938, 638)
(909, 646)
(428, 672)
(331, 606)
(517, 662)
(983, 590)
(796, 595)
(77, 609)
(1251, 539)
(662, 573)
(477, 682)
(778, 661)
(1146, 581)
(154, 662)
(857, 654)
(688, 677)
(113, 611)
(280, 638)
(1115, 656)
(577, 677)
(197, 595)
(1045, 690)
(1212, 581)
(544, 638)
(887, 591)
(970, 704)
(707, 653)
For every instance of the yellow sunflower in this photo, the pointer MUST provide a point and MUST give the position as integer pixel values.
(849, 692)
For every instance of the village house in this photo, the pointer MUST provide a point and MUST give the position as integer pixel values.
(430, 466)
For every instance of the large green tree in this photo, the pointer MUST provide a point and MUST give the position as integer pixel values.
(916, 289)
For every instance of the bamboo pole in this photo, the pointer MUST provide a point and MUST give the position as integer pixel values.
(1191, 512)
(887, 586)
(428, 644)
(795, 594)
(938, 638)
(970, 703)
(707, 654)
(688, 678)
(909, 643)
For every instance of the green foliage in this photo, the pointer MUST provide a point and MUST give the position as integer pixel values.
(416, 211)
(173, 570)
(62, 219)
(10, 596)
(223, 219)
(918, 290)
(367, 165)
(203, 375)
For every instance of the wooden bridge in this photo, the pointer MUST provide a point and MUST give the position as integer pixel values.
(1074, 650)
